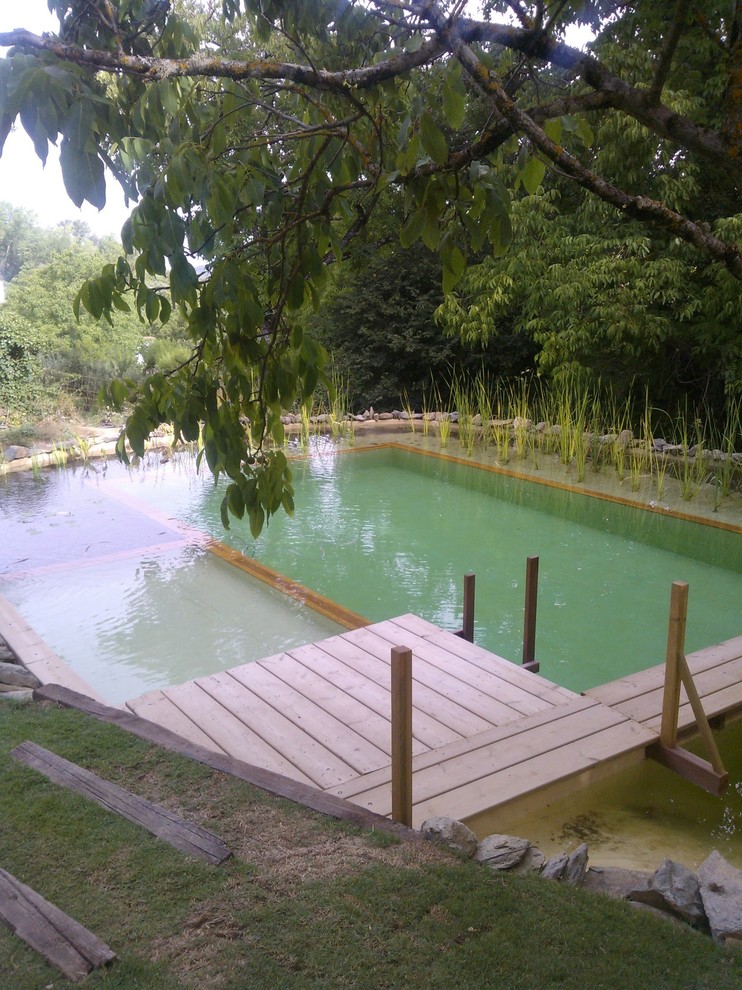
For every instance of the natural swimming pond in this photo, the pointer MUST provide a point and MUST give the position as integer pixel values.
(381, 531)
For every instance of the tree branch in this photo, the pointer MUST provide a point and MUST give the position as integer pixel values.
(640, 207)
(664, 62)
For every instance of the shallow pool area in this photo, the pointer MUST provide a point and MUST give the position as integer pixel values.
(639, 816)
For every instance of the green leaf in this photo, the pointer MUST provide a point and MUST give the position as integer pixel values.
(413, 228)
(454, 103)
(433, 140)
(532, 175)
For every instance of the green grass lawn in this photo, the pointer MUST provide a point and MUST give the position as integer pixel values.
(304, 902)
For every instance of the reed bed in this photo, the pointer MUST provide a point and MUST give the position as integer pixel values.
(580, 426)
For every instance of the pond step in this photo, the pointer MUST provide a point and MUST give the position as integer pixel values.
(182, 835)
(61, 940)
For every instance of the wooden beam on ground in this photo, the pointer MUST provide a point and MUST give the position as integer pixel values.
(182, 835)
(402, 735)
(273, 783)
(61, 940)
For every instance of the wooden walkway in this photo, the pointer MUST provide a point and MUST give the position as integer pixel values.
(487, 734)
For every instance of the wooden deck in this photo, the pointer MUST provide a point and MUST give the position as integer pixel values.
(717, 674)
(486, 733)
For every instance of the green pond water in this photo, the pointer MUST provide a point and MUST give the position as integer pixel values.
(95, 561)
(389, 531)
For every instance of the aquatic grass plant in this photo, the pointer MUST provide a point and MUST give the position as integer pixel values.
(464, 399)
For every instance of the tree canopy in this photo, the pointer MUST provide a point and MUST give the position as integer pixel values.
(257, 137)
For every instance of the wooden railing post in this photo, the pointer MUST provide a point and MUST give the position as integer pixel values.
(709, 774)
(529, 620)
(467, 631)
(675, 649)
(402, 735)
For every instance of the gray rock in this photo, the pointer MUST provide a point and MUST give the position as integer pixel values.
(576, 868)
(476, 420)
(6, 654)
(673, 888)
(554, 867)
(17, 676)
(386, 416)
(452, 833)
(532, 862)
(15, 452)
(614, 881)
(501, 852)
(22, 694)
(721, 893)
(625, 437)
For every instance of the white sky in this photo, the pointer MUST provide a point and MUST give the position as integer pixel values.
(23, 180)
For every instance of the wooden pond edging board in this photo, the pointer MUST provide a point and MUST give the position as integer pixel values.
(35, 654)
(61, 940)
(182, 835)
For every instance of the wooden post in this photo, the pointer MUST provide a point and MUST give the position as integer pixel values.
(675, 649)
(402, 735)
(710, 775)
(467, 631)
(529, 621)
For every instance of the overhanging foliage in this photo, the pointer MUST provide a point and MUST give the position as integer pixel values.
(256, 137)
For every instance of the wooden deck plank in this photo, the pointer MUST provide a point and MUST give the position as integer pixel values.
(540, 739)
(648, 705)
(372, 695)
(337, 737)
(328, 694)
(510, 733)
(428, 728)
(530, 683)
(588, 758)
(632, 685)
(229, 732)
(158, 708)
(161, 822)
(502, 700)
(314, 761)
(62, 941)
(434, 691)
(726, 701)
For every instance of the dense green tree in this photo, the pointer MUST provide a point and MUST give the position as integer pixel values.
(20, 368)
(261, 137)
(378, 323)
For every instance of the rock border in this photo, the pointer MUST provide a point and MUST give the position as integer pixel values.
(709, 901)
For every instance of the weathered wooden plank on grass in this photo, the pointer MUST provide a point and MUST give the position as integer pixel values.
(182, 835)
(273, 783)
(61, 940)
